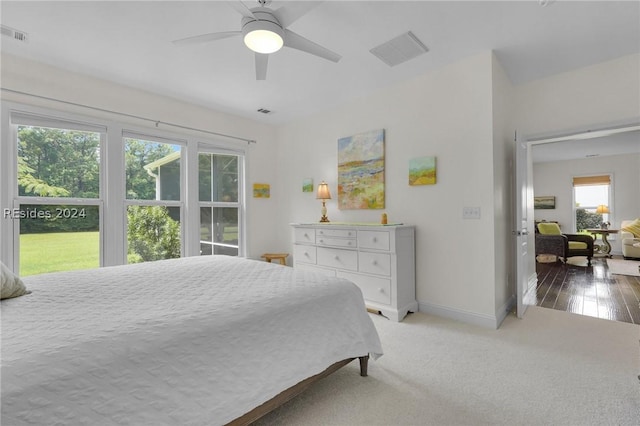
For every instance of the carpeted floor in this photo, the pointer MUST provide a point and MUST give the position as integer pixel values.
(550, 368)
(624, 267)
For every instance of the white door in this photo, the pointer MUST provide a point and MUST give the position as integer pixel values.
(523, 246)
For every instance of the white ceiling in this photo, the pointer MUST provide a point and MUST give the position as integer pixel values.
(130, 42)
(617, 144)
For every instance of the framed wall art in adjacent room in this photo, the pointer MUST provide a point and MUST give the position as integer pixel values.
(546, 202)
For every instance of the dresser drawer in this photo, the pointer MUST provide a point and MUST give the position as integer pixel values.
(337, 258)
(373, 288)
(305, 235)
(378, 240)
(306, 254)
(375, 263)
(339, 233)
(313, 268)
(336, 242)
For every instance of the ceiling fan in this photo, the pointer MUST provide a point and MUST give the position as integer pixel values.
(265, 31)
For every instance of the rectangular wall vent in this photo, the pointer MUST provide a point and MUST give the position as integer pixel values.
(400, 49)
(14, 34)
(264, 111)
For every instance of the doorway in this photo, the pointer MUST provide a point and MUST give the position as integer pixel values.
(589, 148)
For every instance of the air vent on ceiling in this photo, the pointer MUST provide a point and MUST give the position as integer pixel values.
(400, 49)
(264, 111)
(14, 34)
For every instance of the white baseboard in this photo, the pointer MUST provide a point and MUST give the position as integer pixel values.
(474, 318)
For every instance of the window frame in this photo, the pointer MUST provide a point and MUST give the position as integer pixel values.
(17, 118)
(610, 202)
(240, 204)
(113, 202)
(155, 138)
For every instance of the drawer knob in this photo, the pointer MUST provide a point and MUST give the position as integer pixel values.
(374, 262)
(349, 243)
(381, 290)
(336, 257)
(374, 239)
(306, 235)
(306, 254)
(322, 241)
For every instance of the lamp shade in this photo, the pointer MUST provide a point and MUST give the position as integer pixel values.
(601, 209)
(323, 191)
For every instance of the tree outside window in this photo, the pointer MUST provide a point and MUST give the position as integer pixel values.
(589, 192)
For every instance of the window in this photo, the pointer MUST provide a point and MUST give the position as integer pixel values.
(58, 204)
(79, 192)
(592, 201)
(153, 190)
(219, 195)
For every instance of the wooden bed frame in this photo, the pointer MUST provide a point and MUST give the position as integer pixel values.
(295, 390)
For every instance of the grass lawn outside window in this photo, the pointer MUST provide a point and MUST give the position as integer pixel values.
(61, 251)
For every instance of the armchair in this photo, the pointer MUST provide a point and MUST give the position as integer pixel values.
(550, 240)
(628, 238)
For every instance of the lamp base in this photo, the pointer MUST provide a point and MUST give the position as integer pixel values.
(323, 212)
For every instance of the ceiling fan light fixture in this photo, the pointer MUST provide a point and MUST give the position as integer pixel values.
(263, 36)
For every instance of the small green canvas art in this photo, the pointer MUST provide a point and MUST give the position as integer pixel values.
(422, 171)
(307, 185)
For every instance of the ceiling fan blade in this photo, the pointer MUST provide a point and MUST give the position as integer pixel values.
(298, 42)
(261, 66)
(203, 38)
(293, 11)
(241, 8)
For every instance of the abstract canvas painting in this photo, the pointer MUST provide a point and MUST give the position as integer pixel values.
(422, 171)
(361, 171)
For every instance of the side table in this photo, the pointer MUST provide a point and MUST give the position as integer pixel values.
(603, 249)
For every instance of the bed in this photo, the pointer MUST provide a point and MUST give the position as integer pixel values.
(194, 341)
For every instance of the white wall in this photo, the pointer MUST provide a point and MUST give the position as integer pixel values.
(447, 114)
(503, 158)
(605, 93)
(555, 178)
(597, 96)
(43, 80)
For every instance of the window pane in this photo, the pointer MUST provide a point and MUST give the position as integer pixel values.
(152, 170)
(58, 238)
(218, 177)
(58, 163)
(219, 230)
(587, 199)
(153, 233)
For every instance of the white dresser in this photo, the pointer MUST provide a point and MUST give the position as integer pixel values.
(380, 259)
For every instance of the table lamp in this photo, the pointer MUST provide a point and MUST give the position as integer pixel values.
(323, 194)
(603, 209)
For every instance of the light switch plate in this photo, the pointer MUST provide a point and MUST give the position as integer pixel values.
(471, 212)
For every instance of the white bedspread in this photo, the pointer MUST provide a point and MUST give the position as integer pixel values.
(192, 341)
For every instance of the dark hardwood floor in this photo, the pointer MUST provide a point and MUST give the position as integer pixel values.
(591, 291)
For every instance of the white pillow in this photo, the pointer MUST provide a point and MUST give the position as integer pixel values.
(12, 286)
